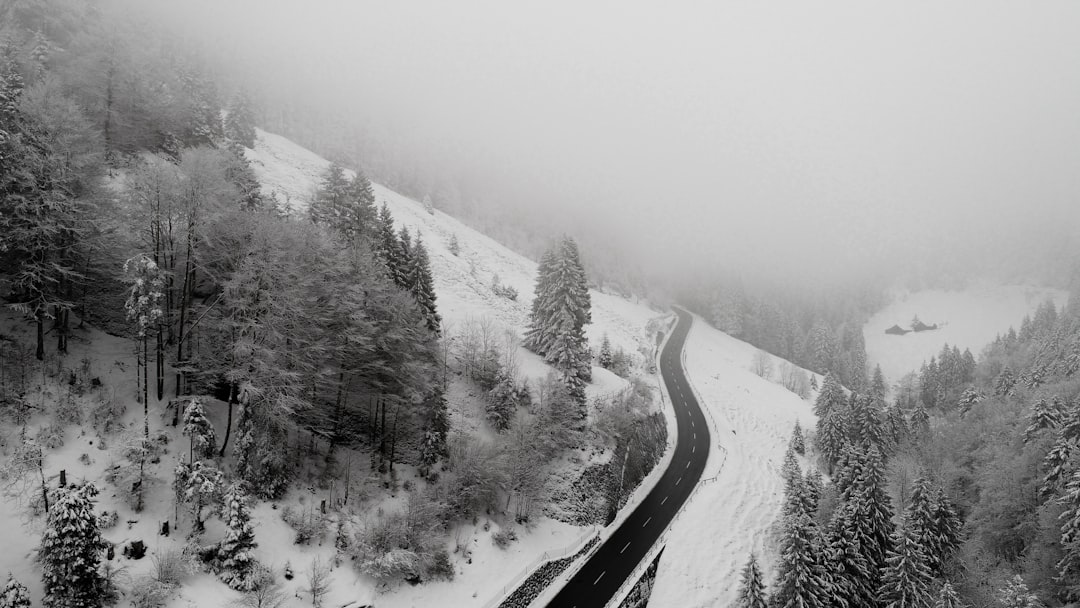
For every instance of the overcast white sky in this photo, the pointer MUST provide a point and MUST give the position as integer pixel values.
(818, 131)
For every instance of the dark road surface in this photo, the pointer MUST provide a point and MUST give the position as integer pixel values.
(602, 575)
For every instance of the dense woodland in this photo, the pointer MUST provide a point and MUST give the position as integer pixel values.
(962, 490)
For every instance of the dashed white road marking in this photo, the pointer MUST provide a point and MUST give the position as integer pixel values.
(688, 464)
(624, 548)
(663, 501)
(599, 577)
(647, 521)
(680, 479)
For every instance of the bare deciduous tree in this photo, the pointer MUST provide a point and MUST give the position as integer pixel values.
(318, 579)
(762, 364)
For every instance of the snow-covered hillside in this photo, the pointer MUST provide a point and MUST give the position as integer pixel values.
(737, 503)
(968, 318)
(462, 282)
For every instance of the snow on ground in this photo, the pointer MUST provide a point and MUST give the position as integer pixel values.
(462, 282)
(968, 318)
(733, 515)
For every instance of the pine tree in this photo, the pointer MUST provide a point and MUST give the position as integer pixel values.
(421, 284)
(831, 436)
(856, 578)
(831, 395)
(436, 427)
(877, 385)
(198, 427)
(14, 594)
(233, 559)
(388, 247)
(948, 598)
(240, 121)
(905, 581)
(797, 442)
(751, 589)
(604, 358)
(560, 310)
(1043, 416)
(920, 419)
(1069, 565)
(71, 550)
(803, 581)
(1016, 595)
(968, 399)
(198, 484)
(502, 401)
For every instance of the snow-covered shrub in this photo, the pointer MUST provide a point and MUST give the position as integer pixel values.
(265, 593)
(504, 537)
(108, 519)
(51, 436)
(170, 568)
(454, 246)
(69, 409)
(307, 523)
(149, 593)
(107, 414)
(403, 544)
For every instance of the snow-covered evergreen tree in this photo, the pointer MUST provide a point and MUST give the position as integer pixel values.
(877, 385)
(751, 588)
(604, 358)
(436, 427)
(920, 419)
(1016, 595)
(71, 551)
(831, 436)
(199, 429)
(803, 580)
(830, 396)
(947, 597)
(198, 484)
(1043, 416)
(14, 594)
(240, 121)
(233, 559)
(560, 310)
(797, 442)
(856, 578)
(501, 403)
(421, 284)
(905, 582)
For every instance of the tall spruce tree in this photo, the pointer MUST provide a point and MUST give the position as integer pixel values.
(830, 396)
(233, 558)
(803, 580)
(751, 588)
(240, 121)
(947, 597)
(856, 577)
(560, 310)
(71, 551)
(905, 582)
(421, 284)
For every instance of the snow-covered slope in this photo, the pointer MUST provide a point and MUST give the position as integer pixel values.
(968, 318)
(462, 282)
(733, 510)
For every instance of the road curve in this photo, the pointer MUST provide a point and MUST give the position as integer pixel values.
(601, 576)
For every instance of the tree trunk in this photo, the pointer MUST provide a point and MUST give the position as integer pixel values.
(40, 352)
(393, 438)
(44, 486)
(228, 419)
(160, 368)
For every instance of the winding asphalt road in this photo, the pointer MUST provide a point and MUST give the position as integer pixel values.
(601, 576)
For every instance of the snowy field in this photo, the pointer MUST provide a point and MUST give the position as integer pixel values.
(732, 515)
(969, 318)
